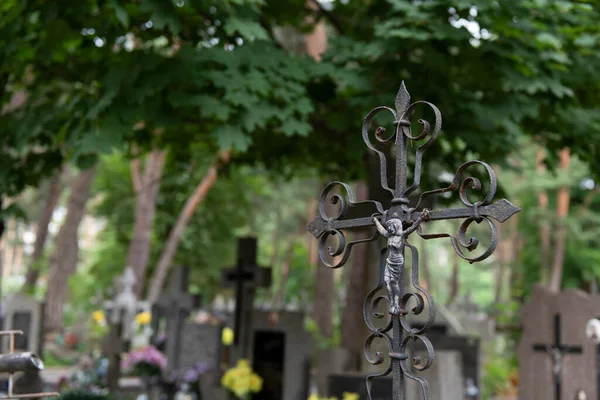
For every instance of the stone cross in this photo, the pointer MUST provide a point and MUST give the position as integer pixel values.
(112, 346)
(246, 276)
(121, 315)
(124, 306)
(557, 350)
(176, 303)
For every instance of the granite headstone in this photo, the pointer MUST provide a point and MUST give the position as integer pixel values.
(577, 371)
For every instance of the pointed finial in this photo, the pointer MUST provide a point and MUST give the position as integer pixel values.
(402, 100)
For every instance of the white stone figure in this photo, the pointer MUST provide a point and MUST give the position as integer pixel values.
(592, 330)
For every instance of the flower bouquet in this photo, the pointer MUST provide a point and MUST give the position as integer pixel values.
(89, 379)
(189, 376)
(145, 362)
(242, 381)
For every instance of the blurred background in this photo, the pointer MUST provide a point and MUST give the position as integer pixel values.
(154, 133)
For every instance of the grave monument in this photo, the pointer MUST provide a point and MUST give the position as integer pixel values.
(556, 357)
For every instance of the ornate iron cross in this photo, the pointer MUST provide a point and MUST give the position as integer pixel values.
(396, 224)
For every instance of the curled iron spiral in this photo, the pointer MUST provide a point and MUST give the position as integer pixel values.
(460, 241)
(342, 249)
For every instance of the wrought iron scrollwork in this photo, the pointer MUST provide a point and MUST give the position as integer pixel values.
(396, 224)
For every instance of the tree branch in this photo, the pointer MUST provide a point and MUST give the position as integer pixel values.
(192, 203)
(327, 14)
(135, 175)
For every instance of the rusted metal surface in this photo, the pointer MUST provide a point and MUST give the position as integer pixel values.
(405, 216)
(12, 362)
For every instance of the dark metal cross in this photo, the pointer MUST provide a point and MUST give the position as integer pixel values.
(176, 303)
(557, 352)
(396, 222)
(245, 277)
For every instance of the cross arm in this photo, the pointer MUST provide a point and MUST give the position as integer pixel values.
(571, 349)
(318, 226)
(561, 349)
(542, 347)
(501, 211)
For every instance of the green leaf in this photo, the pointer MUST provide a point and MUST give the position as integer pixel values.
(304, 106)
(547, 40)
(120, 12)
(586, 40)
(163, 14)
(231, 137)
(247, 29)
(295, 127)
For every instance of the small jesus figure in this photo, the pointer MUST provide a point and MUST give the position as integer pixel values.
(396, 234)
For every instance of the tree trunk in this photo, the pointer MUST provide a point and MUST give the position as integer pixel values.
(313, 248)
(502, 261)
(515, 246)
(168, 253)
(562, 210)
(146, 188)
(1, 219)
(352, 316)
(454, 281)
(278, 300)
(544, 228)
(52, 197)
(323, 305)
(324, 287)
(316, 41)
(316, 44)
(16, 243)
(64, 261)
(274, 263)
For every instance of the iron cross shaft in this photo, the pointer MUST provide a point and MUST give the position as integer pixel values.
(405, 216)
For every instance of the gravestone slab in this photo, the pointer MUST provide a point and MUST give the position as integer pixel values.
(445, 377)
(276, 339)
(354, 382)
(173, 308)
(468, 348)
(538, 318)
(202, 343)
(25, 313)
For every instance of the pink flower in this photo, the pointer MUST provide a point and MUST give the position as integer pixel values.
(148, 355)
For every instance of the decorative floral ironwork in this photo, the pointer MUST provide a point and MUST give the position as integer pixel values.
(396, 224)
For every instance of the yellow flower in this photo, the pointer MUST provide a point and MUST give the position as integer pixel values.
(98, 317)
(313, 397)
(241, 380)
(227, 379)
(255, 383)
(350, 396)
(143, 318)
(227, 336)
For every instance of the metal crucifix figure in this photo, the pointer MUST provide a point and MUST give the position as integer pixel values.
(397, 222)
